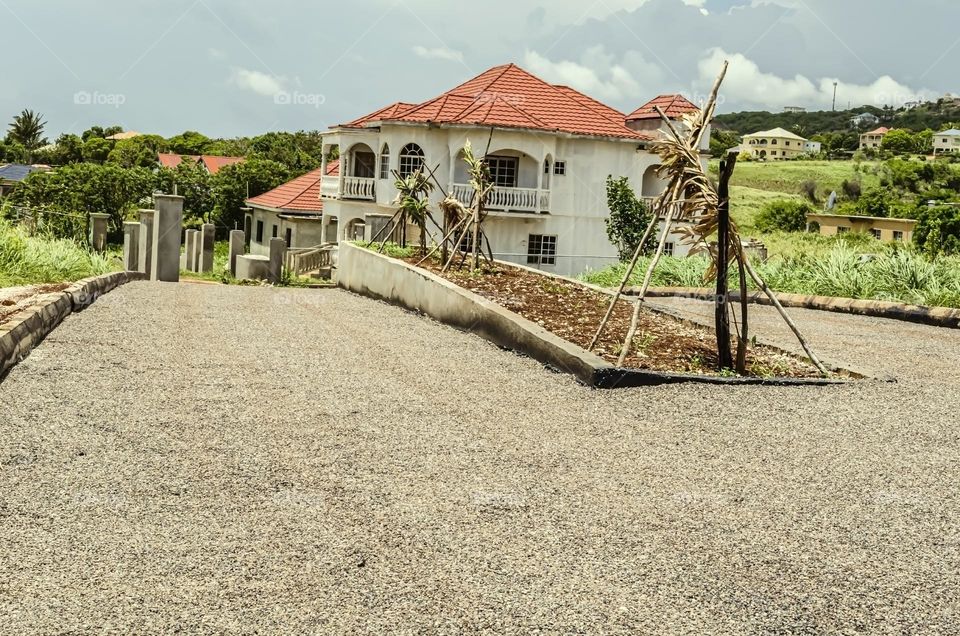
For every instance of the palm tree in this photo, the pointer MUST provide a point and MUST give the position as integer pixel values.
(27, 130)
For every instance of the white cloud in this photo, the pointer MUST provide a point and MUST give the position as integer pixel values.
(438, 53)
(258, 82)
(597, 73)
(746, 84)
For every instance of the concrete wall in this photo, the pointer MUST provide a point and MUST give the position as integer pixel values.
(305, 232)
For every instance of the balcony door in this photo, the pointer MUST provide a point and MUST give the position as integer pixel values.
(364, 164)
(503, 171)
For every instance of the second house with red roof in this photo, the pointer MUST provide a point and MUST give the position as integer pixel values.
(551, 149)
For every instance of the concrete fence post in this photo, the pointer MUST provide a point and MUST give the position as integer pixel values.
(237, 240)
(145, 252)
(131, 246)
(190, 238)
(278, 252)
(208, 234)
(98, 231)
(166, 238)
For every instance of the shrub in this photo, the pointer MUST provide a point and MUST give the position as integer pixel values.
(851, 189)
(783, 216)
(809, 189)
(629, 217)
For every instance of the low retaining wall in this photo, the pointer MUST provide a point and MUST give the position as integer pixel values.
(936, 316)
(27, 328)
(365, 272)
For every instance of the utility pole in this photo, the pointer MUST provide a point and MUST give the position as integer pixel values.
(834, 96)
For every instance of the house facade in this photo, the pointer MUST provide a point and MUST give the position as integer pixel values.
(551, 149)
(946, 142)
(881, 228)
(873, 140)
(774, 145)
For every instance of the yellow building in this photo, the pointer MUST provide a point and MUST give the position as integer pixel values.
(774, 145)
(882, 229)
(874, 139)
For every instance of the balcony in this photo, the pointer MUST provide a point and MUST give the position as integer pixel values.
(508, 199)
(357, 188)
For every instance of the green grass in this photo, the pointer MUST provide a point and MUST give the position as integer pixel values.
(28, 260)
(787, 177)
(221, 265)
(892, 273)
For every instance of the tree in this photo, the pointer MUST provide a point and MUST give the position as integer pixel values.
(233, 184)
(722, 140)
(93, 132)
(938, 229)
(899, 141)
(137, 151)
(783, 216)
(189, 143)
(69, 149)
(629, 217)
(96, 150)
(194, 184)
(27, 129)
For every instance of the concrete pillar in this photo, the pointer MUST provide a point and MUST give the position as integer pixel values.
(145, 253)
(236, 249)
(208, 234)
(166, 238)
(131, 246)
(190, 238)
(278, 251)
(98, 231)
(247, 229)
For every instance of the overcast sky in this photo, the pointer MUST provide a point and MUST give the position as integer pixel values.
(233, 67)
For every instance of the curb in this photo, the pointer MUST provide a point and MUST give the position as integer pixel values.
(934, 316)
(399, 283)
(27, 328)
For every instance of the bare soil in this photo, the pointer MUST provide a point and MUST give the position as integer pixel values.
(573, 312)
(19, 298)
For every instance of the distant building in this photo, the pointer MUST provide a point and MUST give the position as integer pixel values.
(11, 174)
(794, 109)
(864, 119)
(129, 134)
(912, 105)
(873, 139)
(812, 147)
(881, 228)
(212, 163)
(775, 145)
(946, 142)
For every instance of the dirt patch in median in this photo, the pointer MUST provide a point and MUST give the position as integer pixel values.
(573, 312)
(15, 299)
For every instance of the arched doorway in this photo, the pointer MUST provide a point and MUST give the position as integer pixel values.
(356, 230)
(652, 185)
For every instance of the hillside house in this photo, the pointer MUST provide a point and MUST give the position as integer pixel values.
(11, 174)
(551, 149)
(774, 145)
(946, 142)
(881, 228)
(874, 139)
(864, 119)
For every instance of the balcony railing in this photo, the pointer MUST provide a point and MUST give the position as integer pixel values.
(508, 199)
(353, 188)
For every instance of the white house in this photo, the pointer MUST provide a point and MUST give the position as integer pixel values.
(551, 149)
(946, 141)
(812, 147)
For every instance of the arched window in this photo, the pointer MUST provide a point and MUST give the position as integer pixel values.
(411, 159)
(385, 162)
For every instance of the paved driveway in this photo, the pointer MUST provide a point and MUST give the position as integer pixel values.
(210, 459)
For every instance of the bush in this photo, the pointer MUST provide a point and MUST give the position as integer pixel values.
(809, 189)
(629, 217)
(783, 216)
(851, 189)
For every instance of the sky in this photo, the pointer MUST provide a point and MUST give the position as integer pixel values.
(235, 67)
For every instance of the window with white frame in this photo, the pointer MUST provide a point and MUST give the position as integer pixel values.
(668, 248)
(541, 249)
(875, 233)
(503, 171)
(411, 160)
(560, 168)
(466, 242)
(898, 236)
(385, 162)
(843, 229)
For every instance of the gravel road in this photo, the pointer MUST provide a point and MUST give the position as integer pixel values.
(209, 459)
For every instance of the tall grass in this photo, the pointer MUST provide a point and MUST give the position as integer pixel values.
(26, 260)
(896, 274)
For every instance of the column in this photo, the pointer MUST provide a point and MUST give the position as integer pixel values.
(188, 261)
(145, 253)
(131, 246)
(236, 249)
(207, 238)
(98, 231)
(278, 251)
(166, 238)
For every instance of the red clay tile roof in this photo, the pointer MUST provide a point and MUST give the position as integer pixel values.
(879, 131)
(387, 112)
(212, 163)
(298, 195)
(510, 97)
(215, 163)
(672, 105)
